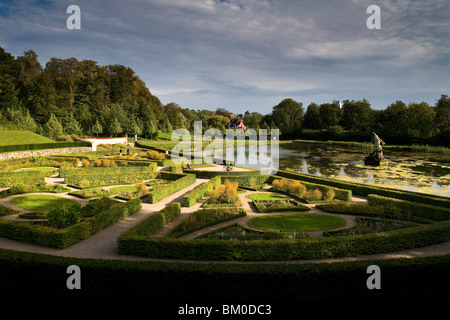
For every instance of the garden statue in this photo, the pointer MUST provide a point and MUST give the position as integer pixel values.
(376, 157)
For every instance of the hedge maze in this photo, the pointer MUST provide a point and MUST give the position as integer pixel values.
(195, 223)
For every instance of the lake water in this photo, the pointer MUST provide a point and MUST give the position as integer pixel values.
(407, 171)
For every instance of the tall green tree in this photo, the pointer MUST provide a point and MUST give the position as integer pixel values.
(442, 118)
(97, 128)
(288, 115)
(357, 115)
(71, 125)
(420, 120)
(150, 129)
(330, 115)
(312, 117)
(28, 69)
(115, 128)
(53, 127)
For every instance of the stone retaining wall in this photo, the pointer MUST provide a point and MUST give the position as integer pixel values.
(37, 153)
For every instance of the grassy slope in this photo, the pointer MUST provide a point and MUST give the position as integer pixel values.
(17, 137)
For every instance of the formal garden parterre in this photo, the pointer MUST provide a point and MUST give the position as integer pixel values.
(231, 216)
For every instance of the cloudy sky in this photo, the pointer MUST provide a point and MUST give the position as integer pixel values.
(249, 55)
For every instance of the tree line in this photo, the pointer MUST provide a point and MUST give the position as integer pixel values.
(68, 97)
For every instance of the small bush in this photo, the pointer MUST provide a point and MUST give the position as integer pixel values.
(151, 154)
(313, 195)
(141, 188)
(85, 163)
(62, 218)
(329, 195)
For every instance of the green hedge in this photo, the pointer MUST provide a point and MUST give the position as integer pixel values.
(63, 238)
(179, 181)
(206, 174)
(288, 249)
(106, 179)
(248, 179)
(96, 170)
(43, 146)
(211, 216)
(359, 209)
(12, 181)
(152, 224)
(30, 275)
(366, 189)
(259, 204)
(176, 168)
(199, 192)
(340, 194)
(413, 208)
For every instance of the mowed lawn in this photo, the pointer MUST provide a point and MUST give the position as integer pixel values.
(17, 137)
(42, 203)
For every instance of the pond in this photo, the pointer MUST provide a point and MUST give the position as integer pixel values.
(420, 172)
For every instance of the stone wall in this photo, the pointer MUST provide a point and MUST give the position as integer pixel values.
(37, 153)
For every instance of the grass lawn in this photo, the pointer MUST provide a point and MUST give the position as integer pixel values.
(17, 137)
(264, 196)
(296, 222)
(41, 203)
(123, 189)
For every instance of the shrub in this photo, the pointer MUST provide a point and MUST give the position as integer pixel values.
(410, 208)
(85, 163)
(151, 154)
(313, 195)
(365, 189)
(297, 188)
(141, 188)
(97, 163)
(63, 238)
(155, 222)
(225, 194)
(203, 218)
(200, 191)
(62, 218)
(180, 181)
(329, 195)
(279, 205)
(310, 191)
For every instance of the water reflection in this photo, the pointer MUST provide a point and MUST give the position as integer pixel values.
(412, 171)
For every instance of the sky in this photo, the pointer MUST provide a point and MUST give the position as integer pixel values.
(249, 55)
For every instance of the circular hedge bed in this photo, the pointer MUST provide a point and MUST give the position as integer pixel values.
(296, 222)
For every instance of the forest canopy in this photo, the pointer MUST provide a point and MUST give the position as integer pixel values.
(68, 97)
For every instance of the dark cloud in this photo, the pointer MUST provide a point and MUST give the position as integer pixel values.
(252, 54)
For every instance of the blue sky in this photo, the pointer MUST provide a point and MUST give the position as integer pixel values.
(249, 55)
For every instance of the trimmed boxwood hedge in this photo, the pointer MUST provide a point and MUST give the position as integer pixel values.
(415, 209)
(365, 189)
(179, 181)
(153, 223)
(43, 146)
(207, 174)
(199, 192)
(259, 204)
(287, 249)
(30, 180)
(340, 194)
(94, 170)
(63, 238)
(30, 275)
(107, 179)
